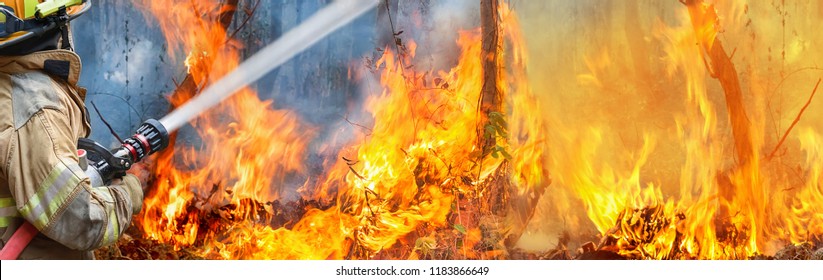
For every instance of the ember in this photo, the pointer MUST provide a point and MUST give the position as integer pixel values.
(680, 145)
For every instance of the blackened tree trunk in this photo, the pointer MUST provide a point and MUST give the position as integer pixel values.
(491, 99)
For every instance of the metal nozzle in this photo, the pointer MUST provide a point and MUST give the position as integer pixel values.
(151, 137)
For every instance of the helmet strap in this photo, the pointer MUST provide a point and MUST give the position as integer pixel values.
(62, 20)
(64, 37)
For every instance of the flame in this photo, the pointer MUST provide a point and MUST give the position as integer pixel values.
(404, 176)
(655, 173)
(806, 216)
(407, 171)
(245, 156)
(718, 207)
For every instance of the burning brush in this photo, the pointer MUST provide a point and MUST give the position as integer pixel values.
(445, 174)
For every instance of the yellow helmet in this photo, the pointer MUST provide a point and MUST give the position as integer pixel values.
(24, 19)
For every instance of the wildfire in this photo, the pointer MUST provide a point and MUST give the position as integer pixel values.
(731, 200)
(404, 176)
(245, 155)
(419, 171)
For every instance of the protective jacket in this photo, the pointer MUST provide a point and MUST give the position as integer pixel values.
(42, 115)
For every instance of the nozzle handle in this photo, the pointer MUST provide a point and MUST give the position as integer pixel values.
(106, 164)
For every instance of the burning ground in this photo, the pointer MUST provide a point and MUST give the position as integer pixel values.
(529, 129)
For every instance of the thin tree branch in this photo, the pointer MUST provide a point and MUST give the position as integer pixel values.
(245, 21)
(111, 129)
(796, 119)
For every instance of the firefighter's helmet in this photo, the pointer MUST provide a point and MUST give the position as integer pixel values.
(24, 19)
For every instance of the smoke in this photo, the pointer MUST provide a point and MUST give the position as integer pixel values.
(141, 52)
(125, 69)
(432, 26)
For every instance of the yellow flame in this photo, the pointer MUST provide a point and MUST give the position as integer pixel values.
(400, 178)
(648, 157)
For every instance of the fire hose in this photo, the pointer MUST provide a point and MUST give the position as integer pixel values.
(102, 165)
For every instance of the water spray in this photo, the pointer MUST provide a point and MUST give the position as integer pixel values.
(321, 24)
(102, 165)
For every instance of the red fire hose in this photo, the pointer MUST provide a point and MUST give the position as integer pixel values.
(18, 241)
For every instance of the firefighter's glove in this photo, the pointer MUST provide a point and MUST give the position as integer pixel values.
(135, 189)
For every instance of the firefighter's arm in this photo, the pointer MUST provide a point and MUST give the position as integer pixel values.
(56, 196)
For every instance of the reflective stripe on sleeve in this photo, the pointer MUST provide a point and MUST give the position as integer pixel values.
(8, 211)
(52, 193)
(112, 225)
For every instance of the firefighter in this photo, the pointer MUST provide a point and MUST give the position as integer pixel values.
(43, 191)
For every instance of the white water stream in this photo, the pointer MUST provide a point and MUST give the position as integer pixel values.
(300, 38)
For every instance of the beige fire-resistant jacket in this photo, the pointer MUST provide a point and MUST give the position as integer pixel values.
(41, 117)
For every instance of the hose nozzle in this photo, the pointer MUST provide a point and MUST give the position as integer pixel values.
(151, 137)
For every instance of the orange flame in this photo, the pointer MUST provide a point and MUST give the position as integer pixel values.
(395, 187)
(244, 154)
(721, 208)
(402, 177)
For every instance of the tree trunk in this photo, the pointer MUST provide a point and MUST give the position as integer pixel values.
(503, 201)
(749, 195)
(723, 70)
(491, 99)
